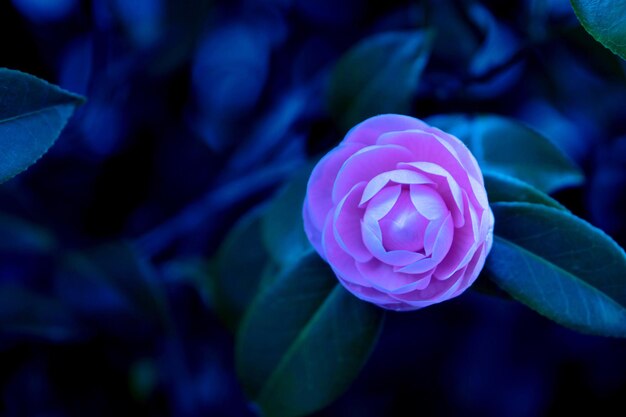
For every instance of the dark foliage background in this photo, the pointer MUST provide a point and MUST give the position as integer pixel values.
(197, 112)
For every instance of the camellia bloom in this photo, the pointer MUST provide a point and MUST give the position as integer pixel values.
(400, 212)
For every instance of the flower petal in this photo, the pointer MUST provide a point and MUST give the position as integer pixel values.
(313, 233)
(448, 188)
(403, 227)
(340, 261)
(479, 191)
(420, 266)
(465, 242)
(461, 152)
(368, 131)
(372, 295)
(428, 147)
(443, 240)
(436, 292)
(400, 212)
(322, 178)
(347, 224)
(399, 176)
(373, 241)
(382, 203)
(428, 202)
(383, 278)
(473, 268)
(365, 164)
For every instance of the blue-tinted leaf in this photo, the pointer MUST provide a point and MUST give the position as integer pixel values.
(230, 68)
(503, 188)
(32, 115)
(143, 19)
(474, 55)
(21, 235)
(192, 271)
(26, 314)
(329, 13)
(303, 340)
(564, 130)
(456, 37)
(560, 266)
(378, 75)
(45, 11)
(185, 23)
(112, 288)
(493, 68)
(76, 65)
(499, 45)
(606, 199)
(27, 253)
(143, 379)
(509, 147)
(281, 226)
(238, 268)
(605, 20)
(262, 243)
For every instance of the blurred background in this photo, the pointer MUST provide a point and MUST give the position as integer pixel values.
(197, 112)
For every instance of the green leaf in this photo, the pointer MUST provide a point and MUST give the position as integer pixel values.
(378, 75)
(560, 266)
(19, 235)
(110, 283)
(509, 147)
(262, 243)
(239, 268)
(23, 312)
(605, 20)
(192, 271)
(281, 227)
(32, 115)
(27, 314)
(303, 340)
(502, 188)
(143, 379)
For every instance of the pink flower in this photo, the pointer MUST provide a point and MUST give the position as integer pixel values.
(400, 212)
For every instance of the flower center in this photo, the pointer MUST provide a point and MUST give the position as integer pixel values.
(403, 227)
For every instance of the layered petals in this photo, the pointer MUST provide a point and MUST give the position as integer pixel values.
(400, 212)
